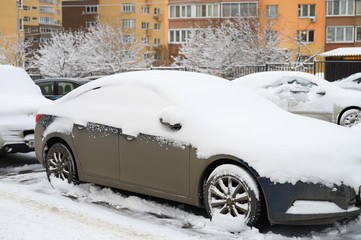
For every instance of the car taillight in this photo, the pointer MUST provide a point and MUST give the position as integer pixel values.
(38, 117)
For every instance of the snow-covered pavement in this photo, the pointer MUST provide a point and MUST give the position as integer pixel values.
(31, 208)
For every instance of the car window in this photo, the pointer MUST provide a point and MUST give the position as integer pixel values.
(47, 89)
(66, 87)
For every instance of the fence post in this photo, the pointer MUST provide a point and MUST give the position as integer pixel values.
(266, 67)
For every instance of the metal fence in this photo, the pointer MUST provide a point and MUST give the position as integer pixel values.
(330, 70)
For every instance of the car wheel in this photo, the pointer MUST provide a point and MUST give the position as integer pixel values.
(231, 191)
(59, 163)
(350, 117)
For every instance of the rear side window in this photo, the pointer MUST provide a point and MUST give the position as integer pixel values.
(47, 89)
(66, 87)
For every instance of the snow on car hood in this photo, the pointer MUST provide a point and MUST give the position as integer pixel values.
(298, 95)
(219, 117)
(20, 99)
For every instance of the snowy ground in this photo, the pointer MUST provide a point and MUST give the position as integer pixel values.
(32, 209)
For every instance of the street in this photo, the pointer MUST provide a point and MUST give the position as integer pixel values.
(32, 209)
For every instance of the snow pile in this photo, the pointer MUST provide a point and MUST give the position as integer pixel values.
(219, 117)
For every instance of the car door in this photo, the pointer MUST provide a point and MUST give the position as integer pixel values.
(155, 163)
(96, 148)
(306, 98)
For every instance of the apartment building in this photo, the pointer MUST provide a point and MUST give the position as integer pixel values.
(184, 15)
(10, 28)
(343, 24)
(300, 25)
(79, 14)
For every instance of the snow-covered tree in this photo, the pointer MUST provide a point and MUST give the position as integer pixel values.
(14, 52)
(221, 47)
(111, 49)
(60, 55)
(102, 49)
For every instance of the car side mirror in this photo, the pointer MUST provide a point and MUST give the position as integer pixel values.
(174, 127)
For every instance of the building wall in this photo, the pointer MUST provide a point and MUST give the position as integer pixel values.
(111, 11)
(351, 20)
(288, 23)
(75, 16)
(8, 23)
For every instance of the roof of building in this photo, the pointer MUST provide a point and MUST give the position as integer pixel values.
(344, 51)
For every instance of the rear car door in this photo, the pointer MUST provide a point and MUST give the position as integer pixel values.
(96, 148)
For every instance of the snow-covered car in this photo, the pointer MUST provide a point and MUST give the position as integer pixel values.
(55, 88)
(201, 140)
(307, 95)
(351, 82)
(20, 99)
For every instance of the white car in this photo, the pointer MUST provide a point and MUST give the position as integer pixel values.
(307, 95)
(20, 99)
(351, 82)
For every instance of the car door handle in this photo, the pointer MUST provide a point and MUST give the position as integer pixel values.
(80, 127)
(129, 137)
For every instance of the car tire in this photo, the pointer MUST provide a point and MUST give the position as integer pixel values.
(231, 190)
(350, 117)
(59, 163)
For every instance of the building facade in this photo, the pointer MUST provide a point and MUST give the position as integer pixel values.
(40, 19)
(79, 14)
(343, 24)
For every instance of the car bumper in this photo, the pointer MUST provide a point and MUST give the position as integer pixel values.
(13, 141)
(309, 204)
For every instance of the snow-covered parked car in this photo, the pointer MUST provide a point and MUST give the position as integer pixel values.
(351, 82)
(204, 141)
(20, 99)
(306, 94)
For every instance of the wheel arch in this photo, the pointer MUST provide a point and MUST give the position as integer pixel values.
(344, 110)
(55, 139)
(237, 162)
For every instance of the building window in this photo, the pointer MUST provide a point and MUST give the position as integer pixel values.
(35, 19)
(156, 41)
(19, 4)
(358, 7)
(145, 41)
(34, 7)
(44, 40)
(207, 10)
(239, 9)
(91, 9)
(128, 23)
(47, 1)
(47, 20)
(146, 56)
(358, 34)
(129, 39)
(145, 25)
(145, 10)
(26, 8)
(306, 10)
(307, 36)
(27, 30)
(156, 26)
(26, 19)
(46, 30)
(90, 23)
(48, 10)
(180, 11)
(340, 7)
(339, 34)
(272, 11)
(128, 7)
(178, 36)
(21, 24)
(156, 11)
(35, 40)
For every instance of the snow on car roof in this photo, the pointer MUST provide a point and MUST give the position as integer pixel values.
(18, 92)
(219, 117)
